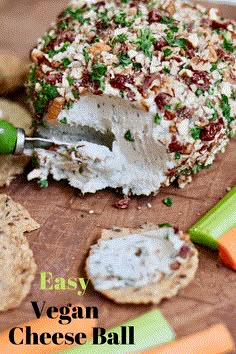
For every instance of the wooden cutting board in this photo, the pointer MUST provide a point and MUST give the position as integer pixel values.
(68, 229)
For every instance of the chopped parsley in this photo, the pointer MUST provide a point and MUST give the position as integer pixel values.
(168, 202)
(145, 41)
(227, 44)
(209, 104)
(66, 62)
(121, 20)
(128, 136)
(63, 25)
(167, 20)
(76, 14)
(166, 70)
(213, 67)
(174, 29)
(124, 59)
(225, 107)
(168, 52)
(69, 104)
(32, 77)
(157, 119)
(177, 155)
(70, 80)
(151, 5)
(52, 52)
(122, 94)
(86, 55)
(47, 39)
(43, 183)
(137, 66)
(175, 42)
(164, 225)
(199, 92)
(198, 167)
(96, 39)
(98, 72)
(64, 120)
(48, 93)
(75, 93)
(104, 18)
(119, 39)
(195, 133)
(211, 90)
(168, 107)
(81, 170)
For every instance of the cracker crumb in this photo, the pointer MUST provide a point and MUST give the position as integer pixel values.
(149, 205)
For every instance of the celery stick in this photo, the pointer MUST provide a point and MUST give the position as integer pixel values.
(216, 222)
(150, 329)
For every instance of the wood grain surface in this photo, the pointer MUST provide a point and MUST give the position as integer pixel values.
(62, 243)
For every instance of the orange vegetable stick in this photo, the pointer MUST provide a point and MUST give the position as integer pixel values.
(214, 340)
(227, 248)
(42, 325)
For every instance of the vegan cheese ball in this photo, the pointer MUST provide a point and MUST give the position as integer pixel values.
(143, 90)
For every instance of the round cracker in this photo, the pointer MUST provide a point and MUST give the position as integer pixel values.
(17, 269)
(13, 72)
(153, 292)
(10, 166)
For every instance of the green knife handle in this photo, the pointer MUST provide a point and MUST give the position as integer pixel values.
(8, 138)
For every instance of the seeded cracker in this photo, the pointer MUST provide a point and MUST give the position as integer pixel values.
(17, 269)
(143, 280)
(10, 166)
(17, 265)
(15, 216)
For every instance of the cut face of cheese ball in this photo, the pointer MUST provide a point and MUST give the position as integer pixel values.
(142, 266)
(149, 92)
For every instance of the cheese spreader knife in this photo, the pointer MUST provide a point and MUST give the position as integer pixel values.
(13, 140)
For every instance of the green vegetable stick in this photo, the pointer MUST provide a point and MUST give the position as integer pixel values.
(216, 222)
(150, 329)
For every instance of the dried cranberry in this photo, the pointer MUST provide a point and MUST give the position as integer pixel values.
(101, 26)
(175, 265)
(205, 22)
(160, 44)
(190, 26)
(184, 251)
(54, 78)
(130, 94)
(176, 229)
(175, 146)
(162, 100)
(190, 53)
(68, 36)
(209, 133)
(200, 78)
(122, 204)
(223, 55)
(185, 112)
(86, 79)
(154, 16)
(223, 25)
(169, 115)
(100, 3)
(148, 80)
(119, 82)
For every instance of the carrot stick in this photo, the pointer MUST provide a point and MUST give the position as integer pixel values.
(42, 325)
(227, 248)
(214, 340)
